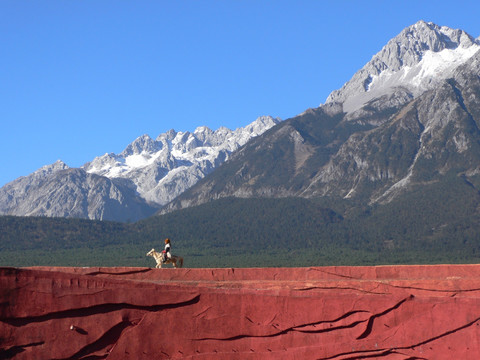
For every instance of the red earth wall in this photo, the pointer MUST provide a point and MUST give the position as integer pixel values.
(384, 312)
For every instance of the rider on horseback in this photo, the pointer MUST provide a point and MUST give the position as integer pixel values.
(166, 253)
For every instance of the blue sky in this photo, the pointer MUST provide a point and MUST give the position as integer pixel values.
(79, 79)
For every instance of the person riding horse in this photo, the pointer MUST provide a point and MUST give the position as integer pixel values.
(166, 253)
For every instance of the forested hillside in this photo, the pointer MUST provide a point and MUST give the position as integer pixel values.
(421, 227)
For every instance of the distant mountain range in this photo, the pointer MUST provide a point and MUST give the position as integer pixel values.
(131, 185)
(408, 119)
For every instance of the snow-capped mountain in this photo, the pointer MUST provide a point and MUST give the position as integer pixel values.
(406, 119)
(131, 185)
(163, 168)
(414, 61)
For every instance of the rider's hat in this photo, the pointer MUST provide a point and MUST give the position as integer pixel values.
(167, 241)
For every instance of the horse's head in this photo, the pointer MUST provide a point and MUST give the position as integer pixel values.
(150, 253)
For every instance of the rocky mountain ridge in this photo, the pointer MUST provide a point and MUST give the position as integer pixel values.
(163, 168)
(131, 185)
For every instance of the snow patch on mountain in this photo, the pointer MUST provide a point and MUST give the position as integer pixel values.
(418, 77)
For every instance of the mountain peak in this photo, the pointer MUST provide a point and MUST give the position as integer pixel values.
(56, 166)
(202, 133)
(422, 36)
(408, 47)
(141, 144)
(261, 123)
(416, 59)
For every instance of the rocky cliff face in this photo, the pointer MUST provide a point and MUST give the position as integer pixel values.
(60, 191)
(388, 312)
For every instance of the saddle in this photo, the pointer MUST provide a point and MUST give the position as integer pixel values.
(164, 256)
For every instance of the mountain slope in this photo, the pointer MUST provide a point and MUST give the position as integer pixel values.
(436, 133)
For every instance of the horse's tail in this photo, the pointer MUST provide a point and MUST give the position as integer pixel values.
(180, 260)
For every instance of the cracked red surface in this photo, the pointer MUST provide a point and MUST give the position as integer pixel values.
(387, 312)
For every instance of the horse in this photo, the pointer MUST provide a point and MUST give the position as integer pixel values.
(176, 261)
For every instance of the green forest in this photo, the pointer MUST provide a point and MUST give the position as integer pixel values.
(422, 227)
